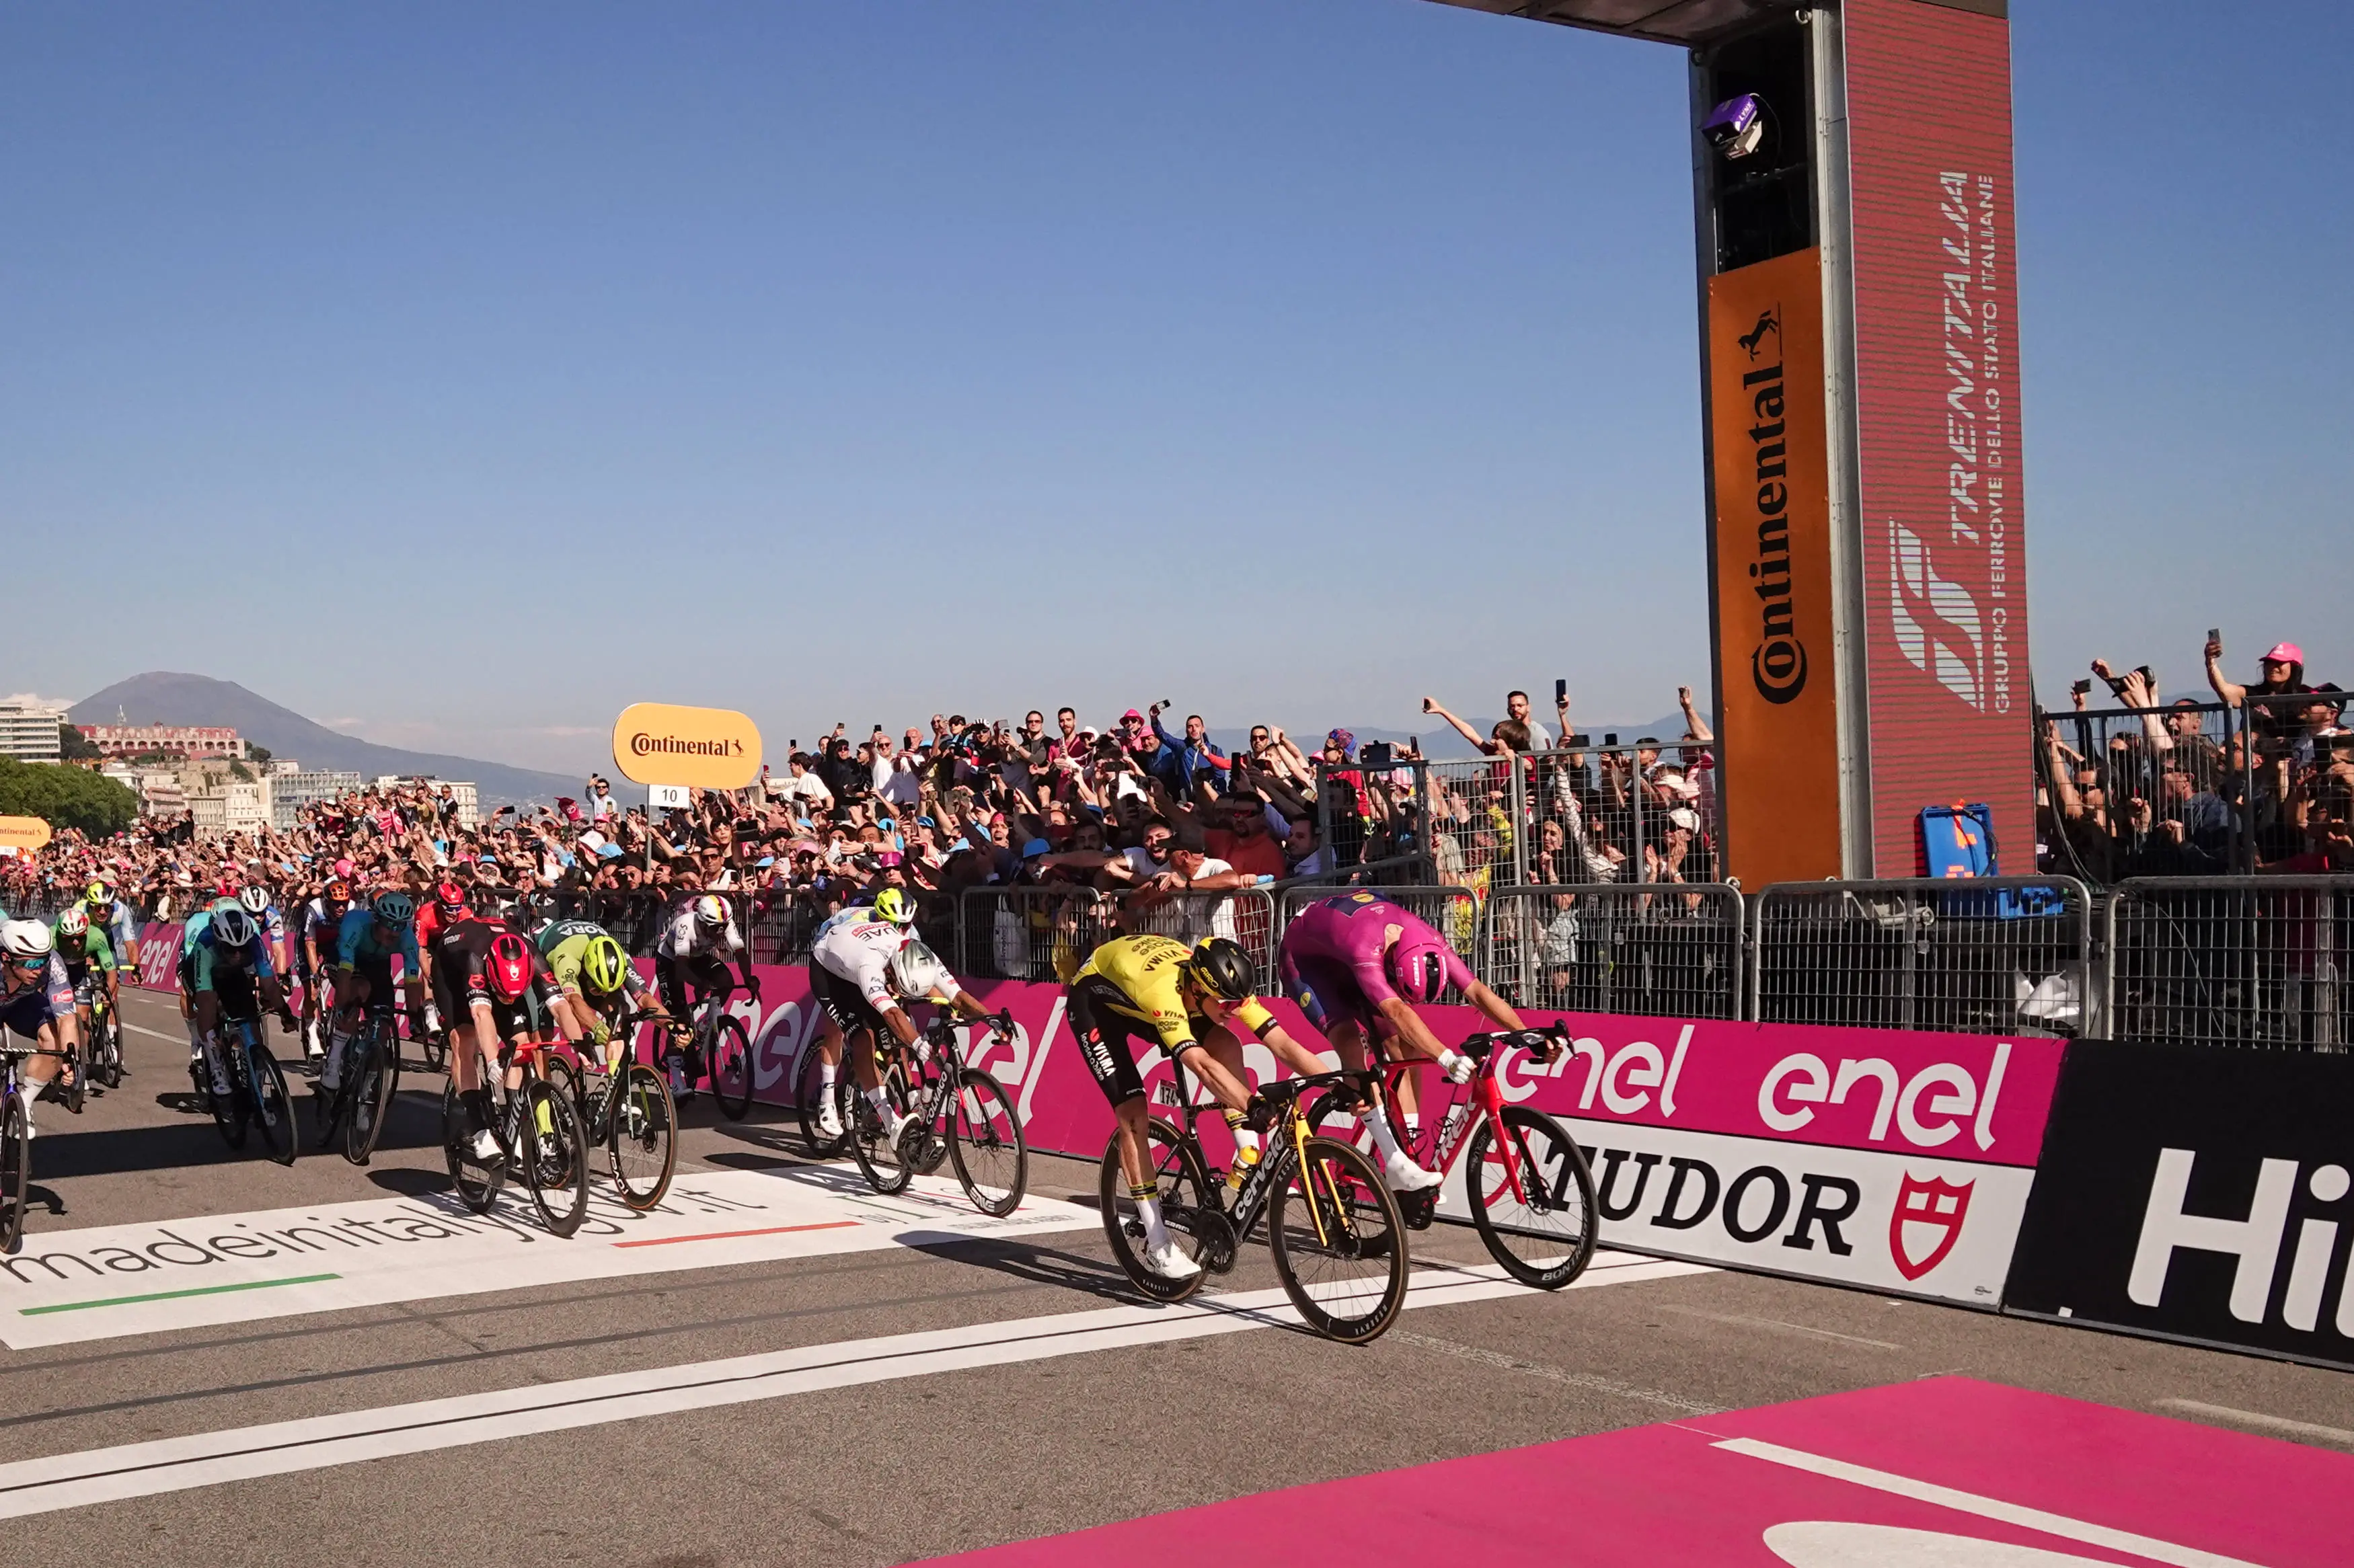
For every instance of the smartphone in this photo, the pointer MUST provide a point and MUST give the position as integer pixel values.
(1610, 737)
(2215, 634)
(2081, 687)
(1560, 692)
(1581, 739)
(1413, 743)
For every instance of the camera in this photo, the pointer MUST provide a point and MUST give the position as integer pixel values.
(1375, 754)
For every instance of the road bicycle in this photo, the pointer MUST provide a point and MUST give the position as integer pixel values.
(105, 1052)
(1332, 1227)
(16, 1142)
(630, 1112)
(955, 1113)
(538, 1139)
(257, 1094)
(1526, 1182)
(366, 1078)
(718, 1040)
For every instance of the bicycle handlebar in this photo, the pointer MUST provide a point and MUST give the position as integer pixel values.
(1542, 1044)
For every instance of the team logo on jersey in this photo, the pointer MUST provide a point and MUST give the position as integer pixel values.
(1926, 1223)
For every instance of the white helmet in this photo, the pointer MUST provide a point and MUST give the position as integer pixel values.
(711, 910)
(73, 922)
(26, 939)
(256, 897)
(917, 971)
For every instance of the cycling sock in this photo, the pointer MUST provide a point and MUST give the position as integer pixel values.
(1413, 1123)
(826, 1072)
(1148, 1209)
(1246, 1138)
(1377, 1122)
(881, 1102)
(478, 1108)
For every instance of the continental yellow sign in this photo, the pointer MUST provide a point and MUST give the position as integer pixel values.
(704, 748)
(23, 832)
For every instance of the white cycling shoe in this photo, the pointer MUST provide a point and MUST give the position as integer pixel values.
(1170, 1262)
(486, 1146)
(1403, 1175)
(829, 1121)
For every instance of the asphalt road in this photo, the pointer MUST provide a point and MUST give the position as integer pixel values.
(998, 1426)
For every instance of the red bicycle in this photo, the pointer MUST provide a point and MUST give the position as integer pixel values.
(1526, 1184)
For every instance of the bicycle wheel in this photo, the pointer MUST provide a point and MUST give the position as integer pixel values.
(1339, 1244)
(571, 1081)
(433, 1044)
(378, 1080)
(731, 1067)
(477, 1179)
(273, 1109)
(228, 1109)
(641, 1135)
(877, 1152)
(984, 1138)
(106, 1041)
(1188, 1208)
(75, 1097)
(16, 1170)
(554, 1156)
(809, 1093)
(1543, 1234)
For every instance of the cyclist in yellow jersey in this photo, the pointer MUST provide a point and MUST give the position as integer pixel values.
(596, 981)
(1157, 992)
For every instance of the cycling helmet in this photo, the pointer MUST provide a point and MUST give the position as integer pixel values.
(711, 910)
(233, 929)
(917, 971)
(256, 898)
(26, 939)
(394, 909)
(449, 897)
(99, 892)
(73, 922)
(1221, 966)
(603, 966)
(1417, 968)
(894, 906)
(506, 967)
(339, 892)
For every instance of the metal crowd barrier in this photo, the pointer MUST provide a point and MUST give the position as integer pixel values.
(1604, 947)
(2255, 961)
(1453, 912)
(1044, 933)
(1992, 955)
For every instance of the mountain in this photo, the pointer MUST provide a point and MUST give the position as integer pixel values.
(163, 697)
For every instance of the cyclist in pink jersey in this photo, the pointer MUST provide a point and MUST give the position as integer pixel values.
(1358, 966)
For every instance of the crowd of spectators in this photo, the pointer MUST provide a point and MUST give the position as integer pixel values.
(2261, 777)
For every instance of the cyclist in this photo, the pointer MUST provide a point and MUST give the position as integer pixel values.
(106, 910)
(262, 905)
(689, 968)
(509, 998)
(863, 963)
(364, 944)
(1154, 990)
(37, 1002)
(319, 925)
(447, 907)
(228, 965)
(89, 960)
(1358, 966)
(596, 982)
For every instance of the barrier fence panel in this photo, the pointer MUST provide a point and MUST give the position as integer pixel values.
(1044, 933)
(2144, 792)
(1599, 948)
(1994, 955)
(1453, 912)
(1372, 815)
(2256, 962)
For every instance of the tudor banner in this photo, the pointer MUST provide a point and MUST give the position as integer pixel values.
(2197, 1194)
(1770, 539)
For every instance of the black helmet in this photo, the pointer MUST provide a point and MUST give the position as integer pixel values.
(1221, 966)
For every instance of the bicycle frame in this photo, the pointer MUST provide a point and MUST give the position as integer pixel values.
(1275, 1165)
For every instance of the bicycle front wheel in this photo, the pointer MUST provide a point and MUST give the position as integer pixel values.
(110, 1051)
(641, 1137)
(985, 1142)
(477, 1179)
(273, 1109)
(1339, 1242)
(1189, 1208)
(16, 1170)
(378, 1081)
(731, 1067)
(871, 1143)
(1531, 1198)
(554, 1156)
(810, 1094)
(78, 1091)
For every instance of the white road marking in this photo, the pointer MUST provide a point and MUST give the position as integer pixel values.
(2311, 1432)
(211, 1458)
(151, 1033)
(2026, 1518)
(1503, 1362)
(104, 1282)
(1776, 1326)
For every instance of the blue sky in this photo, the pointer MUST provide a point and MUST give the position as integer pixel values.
(459, 373)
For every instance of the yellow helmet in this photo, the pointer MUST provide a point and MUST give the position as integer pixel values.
(604, 967)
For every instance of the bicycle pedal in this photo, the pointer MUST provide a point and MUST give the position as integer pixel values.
(1418, 1209)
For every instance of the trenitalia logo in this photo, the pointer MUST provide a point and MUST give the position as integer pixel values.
(643, 745)
(1938, 625)
(1777, 667)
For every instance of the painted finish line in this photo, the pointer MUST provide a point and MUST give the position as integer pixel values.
(113, 1280)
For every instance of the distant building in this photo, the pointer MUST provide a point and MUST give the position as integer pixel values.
(230, 806)
(163, 739)
(291, 791)
(28, 729)
(159, 789)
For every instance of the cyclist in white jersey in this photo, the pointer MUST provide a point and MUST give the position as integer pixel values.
(690, 963)
(863, 963)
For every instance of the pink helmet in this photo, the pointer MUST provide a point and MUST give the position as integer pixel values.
(1417, 967)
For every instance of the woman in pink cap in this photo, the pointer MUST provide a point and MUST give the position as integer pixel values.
(2283, 666)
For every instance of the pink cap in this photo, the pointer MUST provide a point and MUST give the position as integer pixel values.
(2284, 653)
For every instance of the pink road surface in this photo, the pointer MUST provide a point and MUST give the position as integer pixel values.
(1671, 1494)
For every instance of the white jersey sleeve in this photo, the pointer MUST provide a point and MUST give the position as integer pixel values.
(860, 952)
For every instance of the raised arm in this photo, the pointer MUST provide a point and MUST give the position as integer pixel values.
(1433, 705)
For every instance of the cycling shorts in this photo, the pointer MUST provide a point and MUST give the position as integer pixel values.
(1328, 993)
(843, 1001)
(374, 970)
(705, 973)
(1105, 1023)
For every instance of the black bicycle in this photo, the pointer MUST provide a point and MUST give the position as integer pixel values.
(1332, 1225)
(630, 1112)
(536, 1137)
(105, 1051)
(367, 1076)
(15, 1142)
(953, 1112)
(257, 1094)
(717, 1041)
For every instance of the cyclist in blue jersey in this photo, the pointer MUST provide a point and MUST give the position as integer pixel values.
(365, 945)
(227, 964)
(35, 1001)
